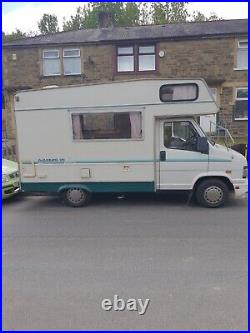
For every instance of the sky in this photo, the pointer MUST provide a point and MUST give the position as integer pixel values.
(25, 15)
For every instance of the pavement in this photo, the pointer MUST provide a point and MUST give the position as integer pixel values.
(59, 263)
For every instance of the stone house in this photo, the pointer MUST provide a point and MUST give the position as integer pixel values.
(216, 51)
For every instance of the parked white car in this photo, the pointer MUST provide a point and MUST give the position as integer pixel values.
(10, 178)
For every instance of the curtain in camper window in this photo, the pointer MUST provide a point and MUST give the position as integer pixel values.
(110, 125)
(178, 92)
(184, 92)
(77, 127)
(136, 126)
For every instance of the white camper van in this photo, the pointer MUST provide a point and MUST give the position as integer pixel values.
(130, 136)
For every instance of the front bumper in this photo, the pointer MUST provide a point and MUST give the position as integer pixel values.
(241, 188)
(10, 189)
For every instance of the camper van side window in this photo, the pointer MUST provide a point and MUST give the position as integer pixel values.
(179, 92)
(110, 125)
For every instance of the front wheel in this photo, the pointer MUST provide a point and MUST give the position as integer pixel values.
(212, 193)
(76, 197)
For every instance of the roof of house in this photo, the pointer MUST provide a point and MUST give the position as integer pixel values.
(147, 32)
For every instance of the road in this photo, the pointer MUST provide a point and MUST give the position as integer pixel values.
(59, 263)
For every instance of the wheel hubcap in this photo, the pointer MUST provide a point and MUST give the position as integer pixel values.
(213, 194)
(75, 195)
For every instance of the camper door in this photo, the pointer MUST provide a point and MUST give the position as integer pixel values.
(179, 161)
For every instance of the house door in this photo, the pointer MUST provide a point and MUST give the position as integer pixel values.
(180, 163)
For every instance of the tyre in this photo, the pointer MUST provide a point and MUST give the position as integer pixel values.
(76, 197)
(212, 193)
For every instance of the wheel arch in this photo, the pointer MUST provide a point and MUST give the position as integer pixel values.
(225, 179)
(64, 188)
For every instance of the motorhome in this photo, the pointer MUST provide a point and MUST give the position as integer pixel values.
(128, 136)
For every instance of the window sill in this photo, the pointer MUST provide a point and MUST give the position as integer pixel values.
(137, 73)
(66, 75)
(240, 69)
(241, 119)
(54, 75)
(62, 76)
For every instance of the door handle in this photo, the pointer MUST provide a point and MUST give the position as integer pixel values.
(162, 155)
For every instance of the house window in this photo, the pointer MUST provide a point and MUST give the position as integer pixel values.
(137, 58)
(178, 92)
(242, 54)
(146, 58)
(241, 104)
(125, 59)
(109, 125)
(51, 63)
(72, 61)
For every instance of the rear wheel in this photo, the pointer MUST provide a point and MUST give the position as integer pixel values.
(76, 197)
(212, 193)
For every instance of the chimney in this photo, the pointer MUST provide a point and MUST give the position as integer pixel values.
(105, 20)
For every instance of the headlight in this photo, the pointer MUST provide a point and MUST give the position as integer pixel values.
(5, 179)
(245, 172)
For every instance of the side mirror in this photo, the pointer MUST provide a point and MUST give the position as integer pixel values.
(202, 145)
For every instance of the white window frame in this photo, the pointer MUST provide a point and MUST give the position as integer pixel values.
(57, 57)
(51, 50)
(72, 56)
(240, 99)
(241, 47)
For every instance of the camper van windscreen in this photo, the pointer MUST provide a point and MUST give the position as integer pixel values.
(179, 92)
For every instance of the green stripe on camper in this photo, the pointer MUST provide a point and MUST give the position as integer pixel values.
(177, 160)
(198, 160)
(90, 186)
(94, 161)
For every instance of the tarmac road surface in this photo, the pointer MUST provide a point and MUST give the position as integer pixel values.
(59, 263)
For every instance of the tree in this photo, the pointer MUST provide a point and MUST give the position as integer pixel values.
(169, 12)
(214, 17)
(144, 8)
(200, 17)
(48, 24)
(133, 14)
(130, 15)
(18, 34)
(75, 21)
(124, 14)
